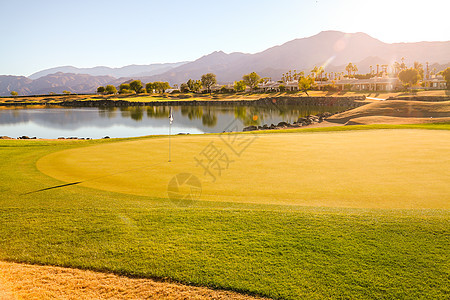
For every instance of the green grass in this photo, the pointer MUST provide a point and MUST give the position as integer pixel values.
(280, 251)
(358, 169)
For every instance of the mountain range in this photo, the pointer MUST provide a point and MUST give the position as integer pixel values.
(127, 71)
(332, 49)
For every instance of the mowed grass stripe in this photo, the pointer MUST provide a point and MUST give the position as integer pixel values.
(359, 169)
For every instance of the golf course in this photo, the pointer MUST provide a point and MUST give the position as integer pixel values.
(342, 212)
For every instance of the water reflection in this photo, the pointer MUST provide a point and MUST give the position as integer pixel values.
(107, 112)
(140, 120)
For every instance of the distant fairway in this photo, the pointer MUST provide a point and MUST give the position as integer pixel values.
(360, 169)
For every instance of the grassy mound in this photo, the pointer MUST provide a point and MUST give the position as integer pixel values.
(395, 120)
(396, 108)
(359, 169)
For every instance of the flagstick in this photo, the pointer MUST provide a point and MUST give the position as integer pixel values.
(170, 131)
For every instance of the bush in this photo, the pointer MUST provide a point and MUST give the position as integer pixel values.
(110, 89)
(184, 88)
(124, 88)
(347, 87)
(225, 90)
(330, 88)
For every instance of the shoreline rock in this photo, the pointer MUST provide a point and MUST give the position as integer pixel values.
(301, 122)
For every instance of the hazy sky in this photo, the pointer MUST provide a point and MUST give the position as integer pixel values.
(40, 34)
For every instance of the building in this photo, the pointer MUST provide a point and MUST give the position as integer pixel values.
(436, 82)
(373, 84)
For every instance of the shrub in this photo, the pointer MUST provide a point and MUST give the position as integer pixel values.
(347, 87)
(110, 89)
(225, 90)
(330, 88)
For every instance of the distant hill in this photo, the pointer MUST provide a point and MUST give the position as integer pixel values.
(127, 71)
(56, 83)
(19, 84)
(333, 49)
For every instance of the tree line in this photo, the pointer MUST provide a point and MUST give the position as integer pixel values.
(409, 77)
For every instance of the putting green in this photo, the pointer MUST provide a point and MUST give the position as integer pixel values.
(370, 169)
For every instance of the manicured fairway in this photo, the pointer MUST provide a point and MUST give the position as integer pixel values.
(359, 169)
(318, 242)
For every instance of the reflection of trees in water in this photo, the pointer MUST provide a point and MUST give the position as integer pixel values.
(209, 117)
(158, 111)
(258, 114)
(192, 112)
(125, 111)
(249, 115)
(16, 113)
(136, 113)
(107, 112)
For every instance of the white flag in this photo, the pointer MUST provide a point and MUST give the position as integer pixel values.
(171, 116)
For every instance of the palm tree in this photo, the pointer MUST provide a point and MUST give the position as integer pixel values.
(403, 66)
(349, 69)
(354, 69)
(321, 70)
(378, 69)
(396, 67)
(314, 71)
(371, 69)
(417, 65)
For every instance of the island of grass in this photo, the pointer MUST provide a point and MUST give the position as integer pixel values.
(438, 95)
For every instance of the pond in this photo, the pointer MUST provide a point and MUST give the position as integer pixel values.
(97, 122)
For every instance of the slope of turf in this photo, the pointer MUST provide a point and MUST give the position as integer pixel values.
(396, 108)
(287, 252)
(360, 169)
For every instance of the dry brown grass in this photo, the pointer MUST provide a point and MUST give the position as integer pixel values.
(21, 281)
(397, 109)
(395, 120)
